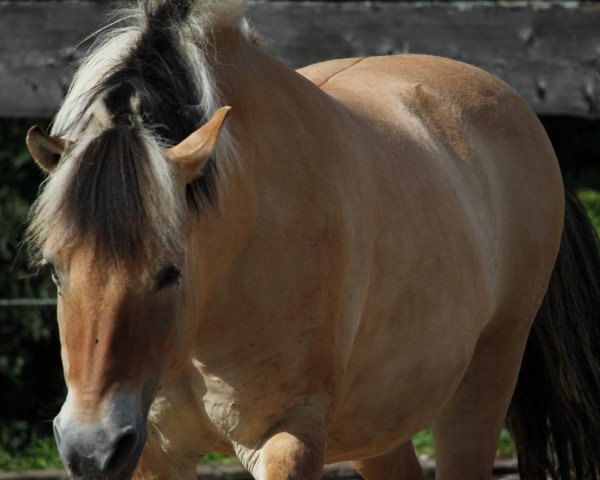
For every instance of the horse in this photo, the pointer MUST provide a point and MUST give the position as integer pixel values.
(306, 267)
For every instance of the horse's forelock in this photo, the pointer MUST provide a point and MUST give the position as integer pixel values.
(115, 194)
(145, 85)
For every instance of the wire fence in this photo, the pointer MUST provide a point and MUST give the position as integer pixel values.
(27, 302)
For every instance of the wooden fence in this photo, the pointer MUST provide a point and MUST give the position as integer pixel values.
(550, 52)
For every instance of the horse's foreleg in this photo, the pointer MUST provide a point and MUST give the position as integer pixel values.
(154, 464)
(292, 449)
(178, 434)
(466, 431)
(399, 464)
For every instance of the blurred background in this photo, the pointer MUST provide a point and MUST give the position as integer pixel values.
(549, 52)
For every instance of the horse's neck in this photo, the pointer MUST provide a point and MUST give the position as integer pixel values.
(273, 106)
(280, 123)
(263, 123)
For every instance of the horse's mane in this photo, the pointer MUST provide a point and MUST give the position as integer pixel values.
(144, 85)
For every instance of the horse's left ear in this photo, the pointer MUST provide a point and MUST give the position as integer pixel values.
(190, 156)
(45, 149)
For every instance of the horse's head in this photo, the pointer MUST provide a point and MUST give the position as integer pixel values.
(112, 222)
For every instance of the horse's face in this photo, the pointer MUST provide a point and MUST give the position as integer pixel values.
(120, 330)
(123, 325)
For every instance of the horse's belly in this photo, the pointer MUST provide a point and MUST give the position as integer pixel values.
(388, 397)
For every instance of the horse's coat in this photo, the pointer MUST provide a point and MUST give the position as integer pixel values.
(383, 233)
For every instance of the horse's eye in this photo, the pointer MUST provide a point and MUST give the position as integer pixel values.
(168, 277)
(55, 277)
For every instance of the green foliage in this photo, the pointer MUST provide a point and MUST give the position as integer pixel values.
(31, 384)
(577, 145)
(506, 446)
(218, 458)
(591, 201)
(423, 443)
(40, 453)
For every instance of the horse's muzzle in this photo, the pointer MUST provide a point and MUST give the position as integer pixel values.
(108, 448)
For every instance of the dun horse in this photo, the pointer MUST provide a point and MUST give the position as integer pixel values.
(307, 267)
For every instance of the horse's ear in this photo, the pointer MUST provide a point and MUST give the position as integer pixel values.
(190, 156)
(45, 149)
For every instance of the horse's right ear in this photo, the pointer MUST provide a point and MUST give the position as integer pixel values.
(191, 155)
(45, 149)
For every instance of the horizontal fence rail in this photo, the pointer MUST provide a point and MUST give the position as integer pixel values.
(549, 52)
(27, 302)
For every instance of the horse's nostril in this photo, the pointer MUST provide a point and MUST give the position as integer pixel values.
(74, 467)
(124, 448)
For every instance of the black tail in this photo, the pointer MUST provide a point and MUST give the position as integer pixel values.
(554, 416)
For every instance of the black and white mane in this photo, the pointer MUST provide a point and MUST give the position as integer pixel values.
(146, 85)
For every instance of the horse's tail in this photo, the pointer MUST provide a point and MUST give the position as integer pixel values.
(554, 415)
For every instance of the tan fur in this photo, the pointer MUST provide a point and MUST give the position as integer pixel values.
(399, 463)
(382, 240)
(191, 155)
(46, 150)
